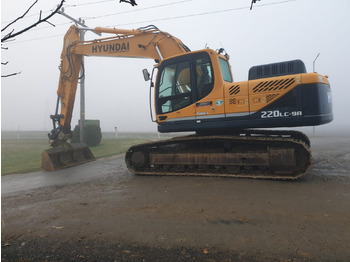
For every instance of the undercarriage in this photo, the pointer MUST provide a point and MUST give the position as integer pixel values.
(282, 155)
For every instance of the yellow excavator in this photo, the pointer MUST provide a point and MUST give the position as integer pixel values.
(194, 92)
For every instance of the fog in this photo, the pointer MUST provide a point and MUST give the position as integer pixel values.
(116, 93)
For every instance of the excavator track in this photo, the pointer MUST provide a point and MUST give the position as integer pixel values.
(246, 154)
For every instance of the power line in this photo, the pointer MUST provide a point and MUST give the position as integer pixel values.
(34, 39)
(66, 6)
(136, 10)
(91, 3)
(173, 18)
(103, 1)
(102, 16)
(46, 27)
(200, 14)
(27, 16)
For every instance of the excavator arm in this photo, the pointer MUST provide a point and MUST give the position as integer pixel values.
(146, 42)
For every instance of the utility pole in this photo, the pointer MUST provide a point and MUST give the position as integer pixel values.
(82, 90)
(82, 80)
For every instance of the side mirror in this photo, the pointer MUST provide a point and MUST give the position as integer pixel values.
(146, 75)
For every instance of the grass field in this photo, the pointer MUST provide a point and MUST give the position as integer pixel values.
(21, 153)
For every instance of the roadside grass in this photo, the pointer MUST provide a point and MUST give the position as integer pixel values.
(21, 156)
(24, 155)
(111, 147)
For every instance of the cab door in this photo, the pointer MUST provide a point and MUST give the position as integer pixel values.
(174, 95)
(209, 88)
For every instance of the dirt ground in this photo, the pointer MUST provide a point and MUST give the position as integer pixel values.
(101, 212)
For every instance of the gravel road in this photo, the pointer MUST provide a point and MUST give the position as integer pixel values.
(101, 212)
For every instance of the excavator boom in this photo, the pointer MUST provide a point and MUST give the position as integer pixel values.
(147, 42)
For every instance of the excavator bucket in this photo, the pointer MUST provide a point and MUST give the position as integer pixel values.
(66, 156)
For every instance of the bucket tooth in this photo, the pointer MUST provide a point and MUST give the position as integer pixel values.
(66, 156)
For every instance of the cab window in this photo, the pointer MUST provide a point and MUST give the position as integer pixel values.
(175, 87)
(225, 70)
(183, 81)
(204, 76)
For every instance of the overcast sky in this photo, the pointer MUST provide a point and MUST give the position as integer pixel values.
(115, 90)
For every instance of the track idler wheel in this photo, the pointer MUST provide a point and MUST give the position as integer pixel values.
(139, 159)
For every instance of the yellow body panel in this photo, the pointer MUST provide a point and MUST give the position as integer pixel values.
(237, 98)
(309, 78)
(254, 95)
(182, 114)
(244, 98)
(265, 91)
(240, 98)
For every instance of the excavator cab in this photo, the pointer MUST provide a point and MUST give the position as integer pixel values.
(196, 92)
(184, 85)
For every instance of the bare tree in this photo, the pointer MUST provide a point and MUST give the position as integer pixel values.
(253, 2)
(11, 34)
(132, 2)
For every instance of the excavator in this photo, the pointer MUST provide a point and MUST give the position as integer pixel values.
(232, 125)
